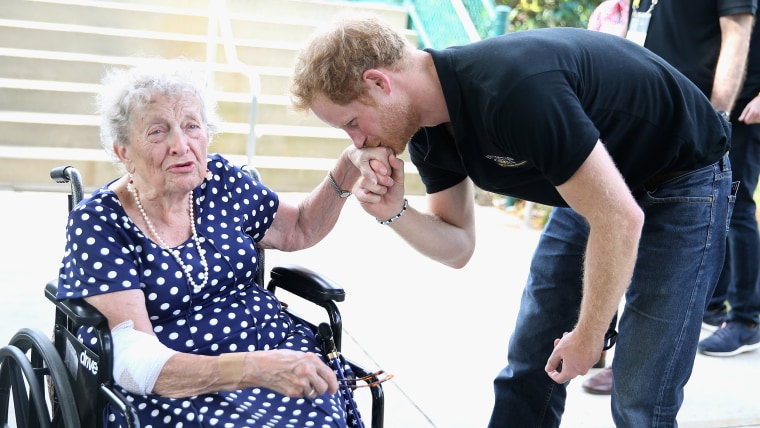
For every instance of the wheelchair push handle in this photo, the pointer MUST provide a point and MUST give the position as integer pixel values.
(69, 174)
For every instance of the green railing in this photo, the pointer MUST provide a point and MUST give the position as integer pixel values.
(443, 23)
(440, 23)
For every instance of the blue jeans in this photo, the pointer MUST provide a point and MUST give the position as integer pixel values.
(739, 282)
(680, 257)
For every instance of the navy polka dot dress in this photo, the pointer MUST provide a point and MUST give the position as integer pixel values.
(106, 252)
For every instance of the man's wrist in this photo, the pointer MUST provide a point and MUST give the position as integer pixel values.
(397, 216)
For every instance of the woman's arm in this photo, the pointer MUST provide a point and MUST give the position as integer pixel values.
(292, 373)
(301, 226)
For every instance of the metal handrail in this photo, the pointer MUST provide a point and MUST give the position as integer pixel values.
(219, 18)
(417, 23)
(490, 8)
(466, 20)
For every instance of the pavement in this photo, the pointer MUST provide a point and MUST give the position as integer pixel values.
(442, 332)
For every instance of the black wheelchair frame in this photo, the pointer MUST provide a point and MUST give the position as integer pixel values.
(62, 383)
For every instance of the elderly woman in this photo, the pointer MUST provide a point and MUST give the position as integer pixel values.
(168, 253)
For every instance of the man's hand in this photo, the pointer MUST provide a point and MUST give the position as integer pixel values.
(751, 113)
(385, 198)
(572, 356)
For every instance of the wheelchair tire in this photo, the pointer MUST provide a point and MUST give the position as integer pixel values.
(16, 375)
(50, 372)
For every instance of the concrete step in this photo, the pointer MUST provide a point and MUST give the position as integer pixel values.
(113, 15)
(46, 96)
(77, 38)
(252, 22)
(310, 11)
(53, 54)
(108, 41)
(193, 20)
(76, 67)
(318, 11)
(57, 130)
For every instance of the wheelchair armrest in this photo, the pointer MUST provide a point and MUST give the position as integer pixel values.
(305, 283)
(79, 311)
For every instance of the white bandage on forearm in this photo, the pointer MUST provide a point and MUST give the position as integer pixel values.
(138, 358)
(231, 367)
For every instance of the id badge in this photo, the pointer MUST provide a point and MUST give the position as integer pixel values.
(637, 30)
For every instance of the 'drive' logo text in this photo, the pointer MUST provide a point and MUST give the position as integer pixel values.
(88, 363)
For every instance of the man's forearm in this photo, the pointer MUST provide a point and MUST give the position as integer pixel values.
(608, 269)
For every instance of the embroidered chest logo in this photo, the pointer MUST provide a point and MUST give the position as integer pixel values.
(506, 161)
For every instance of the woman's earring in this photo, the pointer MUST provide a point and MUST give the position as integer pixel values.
(209, 175)
(130, 183)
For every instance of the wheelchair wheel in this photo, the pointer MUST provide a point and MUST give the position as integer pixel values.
(34, 373)
(16, 374)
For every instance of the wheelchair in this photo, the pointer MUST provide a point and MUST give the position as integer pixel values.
(63, 383)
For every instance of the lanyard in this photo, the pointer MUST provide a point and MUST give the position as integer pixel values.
(636, 4)
(639, 22)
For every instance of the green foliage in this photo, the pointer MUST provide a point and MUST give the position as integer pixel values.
(527, 14)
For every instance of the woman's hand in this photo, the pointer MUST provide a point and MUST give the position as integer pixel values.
(374, 166)
(292, 373)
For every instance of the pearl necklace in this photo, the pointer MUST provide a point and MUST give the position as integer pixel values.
(201, 252)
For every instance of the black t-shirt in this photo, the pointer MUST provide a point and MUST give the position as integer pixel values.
(687, 34)
(527, 108)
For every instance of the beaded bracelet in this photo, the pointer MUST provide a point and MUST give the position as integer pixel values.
(395, 217)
